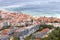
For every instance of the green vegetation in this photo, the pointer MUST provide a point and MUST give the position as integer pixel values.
(40, 28)
(15, 38)
(28, 38)
(55, 35)
(45, 26)
(56, 22)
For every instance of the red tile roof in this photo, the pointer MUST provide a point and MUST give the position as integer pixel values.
(4, 32)
(44, 30)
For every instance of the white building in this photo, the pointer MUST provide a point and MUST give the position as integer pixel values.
(54, 24)
(26, 31)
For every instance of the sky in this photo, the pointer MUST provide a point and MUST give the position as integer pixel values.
(33, 7)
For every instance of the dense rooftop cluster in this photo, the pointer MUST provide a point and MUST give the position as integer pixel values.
(14, 18)
(49, 19)
(13, 23)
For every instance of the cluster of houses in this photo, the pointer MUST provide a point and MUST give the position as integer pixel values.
(54, 24)
(41, 34)
(22, 25)
(49, 19)
(14, 19)
(5, 34)
(19, 33)
(16, 24)
(23, 33)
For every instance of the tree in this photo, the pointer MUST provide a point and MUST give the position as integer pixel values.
(55, 21)
(45, 26)
(55, 35)
(15, 38)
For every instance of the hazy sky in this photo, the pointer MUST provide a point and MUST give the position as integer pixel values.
(36, 7)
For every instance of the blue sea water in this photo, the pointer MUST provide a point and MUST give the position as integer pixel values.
(36, 12)
(33, 7)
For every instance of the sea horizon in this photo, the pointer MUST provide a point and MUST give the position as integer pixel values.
(33, 7)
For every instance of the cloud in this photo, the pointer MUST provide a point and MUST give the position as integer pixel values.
(37, 7)
(13, 6)
(26, 4)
